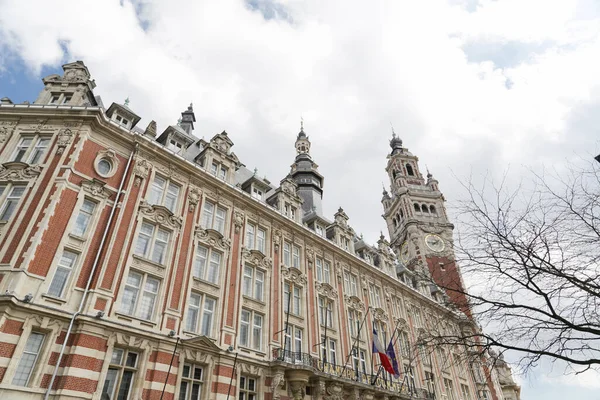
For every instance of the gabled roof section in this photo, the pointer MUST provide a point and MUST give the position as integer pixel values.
(177, 132)
(221, 143)
(123, 111)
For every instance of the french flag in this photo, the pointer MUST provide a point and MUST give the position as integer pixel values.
(378, 348)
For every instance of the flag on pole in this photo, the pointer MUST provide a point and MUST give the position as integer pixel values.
(378, 348)
(392, 355)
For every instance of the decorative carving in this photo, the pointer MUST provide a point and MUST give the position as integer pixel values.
(276, 384)
(65, 136)
(326, 290)
(96, 188)
(310, 254)
(142, 168)
(354, 303)
(193, 198)
(6, 129)
(257, 258)
(276, 238)
(212, 238)
(151, 129)
(18, 171)
(251, 369)
(335, 391)
(380, 314)
(294, 275)
(238, 220)
(160, 214)
(111, 155)
(39, 126)
(200, 357)
(353, 394)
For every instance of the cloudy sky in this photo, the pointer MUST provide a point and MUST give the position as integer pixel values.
(472, 87)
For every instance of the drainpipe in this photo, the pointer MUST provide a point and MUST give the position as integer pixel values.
(94, 266)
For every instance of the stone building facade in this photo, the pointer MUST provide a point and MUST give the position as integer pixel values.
(143, 265)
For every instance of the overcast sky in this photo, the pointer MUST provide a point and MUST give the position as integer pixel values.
(472, 87)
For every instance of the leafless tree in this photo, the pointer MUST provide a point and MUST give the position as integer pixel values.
(530, 260)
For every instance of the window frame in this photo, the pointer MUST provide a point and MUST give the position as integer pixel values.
(253, 239)
(290, 288)
(7, 196)
(201, 314)
(34, 363)
(244, 391)
(323, 268)
(67, 280)
(84, 214)
(163, 193)
(251, 290)
(208, 264)
(140, 291)
(33, 149)
(326, 308)
(150, 247)
(121, 368)
(214, 219)
(251, 328)
(190, 381)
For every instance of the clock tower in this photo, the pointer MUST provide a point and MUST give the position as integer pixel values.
(418, 225)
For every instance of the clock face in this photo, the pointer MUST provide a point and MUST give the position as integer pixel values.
(435, 243)
(404, 254)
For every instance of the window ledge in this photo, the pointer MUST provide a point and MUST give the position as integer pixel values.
(200, 280)
(54, 299)
(252, 299)
(251, 350)
(148, 261)
(132, 318)
(77, 237)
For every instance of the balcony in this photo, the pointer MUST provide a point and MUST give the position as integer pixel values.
(347, 376)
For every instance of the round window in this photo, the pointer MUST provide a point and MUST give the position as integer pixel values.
(104, 166)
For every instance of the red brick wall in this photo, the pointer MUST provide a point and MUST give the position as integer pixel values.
(183, 255)
(449, 278)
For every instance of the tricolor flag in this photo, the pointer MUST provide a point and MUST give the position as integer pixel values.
(392, 355)
(378, 348)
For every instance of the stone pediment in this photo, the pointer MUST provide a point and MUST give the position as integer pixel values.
(96, 187)
(212, 238)
(326, 290)
(380, 314)
(160, 214)
(354, 303)
(294, 275)
(18, 171)
(255, 257)
(201, 342)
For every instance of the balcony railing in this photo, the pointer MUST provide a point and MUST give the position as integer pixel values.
(349, 373)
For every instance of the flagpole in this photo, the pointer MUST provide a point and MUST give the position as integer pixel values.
(379, 370)
(356, 339)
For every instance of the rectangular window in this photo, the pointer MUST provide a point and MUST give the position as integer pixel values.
(139, 295)
(28, 359)
(251, 329)
(213, 217)
(200, 314)
(120, 375)
(410, 375)
(30, 149)
(319, 230)
(328, 350)
(163, 192)
(430, 382)
(295, 302)
(84, 217)
(466, 394)
(375, 293)
(287, 254)
(191, 382)
(250, 236)
(222, 173)
(152, 243)
(248, 389)
(253, 282)
(323, 271)
(66, 98)
(424, 353)
(449, 388)
(354, 321)
(296, 257)
(257, 193)
(417, 317)
(255, 238)
(214, 168)
(54, 98)
(325, 312)
(399, 307)
(62, 274)
(207, 264)
(404, 344)
(381, 331)
(261, 241)
(293, 342)
(9, 198)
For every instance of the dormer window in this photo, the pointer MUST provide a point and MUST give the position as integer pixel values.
(257, 193)
(66, 98)
(124, 122)
(174, 145)
(218, 170)
(54, 98)
(319, 230)
(60, 98)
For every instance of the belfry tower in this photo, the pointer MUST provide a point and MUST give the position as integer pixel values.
(420, 232)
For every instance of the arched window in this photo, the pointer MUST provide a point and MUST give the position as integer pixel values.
(432, 209)
(424, 208)
(417, 207)
(395, 222)
(409, 170)
(401, 213)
